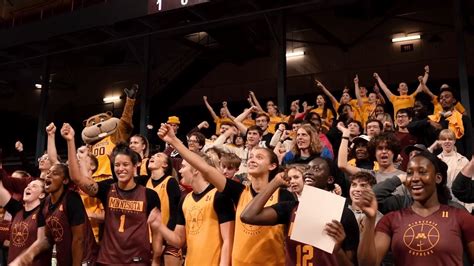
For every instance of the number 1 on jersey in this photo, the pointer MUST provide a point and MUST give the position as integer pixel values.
(122, 223)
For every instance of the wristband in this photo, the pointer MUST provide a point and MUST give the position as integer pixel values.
(343, 137)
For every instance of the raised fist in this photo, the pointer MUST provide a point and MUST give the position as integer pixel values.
(19, 146)
(51, 129)
(131, 93)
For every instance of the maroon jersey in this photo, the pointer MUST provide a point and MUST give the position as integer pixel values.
(434, 240)
(24, 230)
(60, 217)
(126, 234)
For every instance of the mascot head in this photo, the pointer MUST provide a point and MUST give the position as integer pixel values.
(98, 127)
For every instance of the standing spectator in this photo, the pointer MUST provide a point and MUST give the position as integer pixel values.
(428, 232)
(403, 118)
(453, 159)
(461, 125)
(306, 147)
(223, 114)
(398, 101)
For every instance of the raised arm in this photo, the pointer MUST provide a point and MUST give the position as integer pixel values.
(372, 246)
(357, 91)
(383, 86)
(4, 195)
(427, 74)
(225, 106)
(343, 151)
(425, 88)
(209, 108)
(327, 92)
(238, 120)
(420, 86)
(85, 182)
(51, 146)
(255, 101)
(211, 174)
(256, 213)
(381, 99)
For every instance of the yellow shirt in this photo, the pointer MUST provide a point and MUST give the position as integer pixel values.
(257, 245)
(438, 108)
(273, 121)
(203, 237)
(164, 197)
(101, 150)
(402, 101)
(326, 122)
(143, 170)
(219, 121)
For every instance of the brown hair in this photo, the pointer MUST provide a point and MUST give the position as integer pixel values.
(364, 176)
(315, 145)
(231, 160)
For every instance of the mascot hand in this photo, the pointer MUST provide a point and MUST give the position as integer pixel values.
(132, 93)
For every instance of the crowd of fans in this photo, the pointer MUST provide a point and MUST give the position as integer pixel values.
(231, 198)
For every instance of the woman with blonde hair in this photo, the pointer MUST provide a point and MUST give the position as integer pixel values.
(307, 146)
(455, 161)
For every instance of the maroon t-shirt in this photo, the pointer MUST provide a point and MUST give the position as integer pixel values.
(60, 217)
(434, 240)
(24, 231)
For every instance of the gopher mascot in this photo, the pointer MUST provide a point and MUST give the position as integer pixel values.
(103, 131)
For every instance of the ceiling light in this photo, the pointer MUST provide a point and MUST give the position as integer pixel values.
(111, 99)
(295, 54)
(407, 38)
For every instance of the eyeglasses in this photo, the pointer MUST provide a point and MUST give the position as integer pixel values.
(43, 158)
(192, 141)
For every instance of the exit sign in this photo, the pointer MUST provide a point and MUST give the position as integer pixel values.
(155, 6)
(404, 48)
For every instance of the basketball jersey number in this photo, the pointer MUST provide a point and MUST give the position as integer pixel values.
(98, 151)
(122, 223)
(304, 255)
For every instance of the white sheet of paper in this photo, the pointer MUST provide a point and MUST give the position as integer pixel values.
(316, 208)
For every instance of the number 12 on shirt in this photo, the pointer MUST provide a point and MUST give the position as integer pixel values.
(304, 255)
